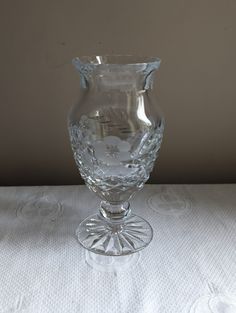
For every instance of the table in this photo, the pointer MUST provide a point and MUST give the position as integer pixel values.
(190, 266)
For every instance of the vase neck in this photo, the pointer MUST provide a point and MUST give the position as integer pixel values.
(121, 76)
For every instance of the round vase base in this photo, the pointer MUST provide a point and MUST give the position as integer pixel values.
(102, 237)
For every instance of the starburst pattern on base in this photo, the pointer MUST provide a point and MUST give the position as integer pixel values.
(99, 236)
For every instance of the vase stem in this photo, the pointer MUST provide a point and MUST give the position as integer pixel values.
(115, 213)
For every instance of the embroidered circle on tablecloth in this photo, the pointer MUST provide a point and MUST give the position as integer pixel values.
(169, 203)
(40, 207)
(220, 303)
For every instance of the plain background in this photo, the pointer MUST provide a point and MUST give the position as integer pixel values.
(196, 83)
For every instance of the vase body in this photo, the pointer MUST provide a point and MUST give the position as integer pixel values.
(115, 131)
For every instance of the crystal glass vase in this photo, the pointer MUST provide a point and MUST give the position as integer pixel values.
(115, 131)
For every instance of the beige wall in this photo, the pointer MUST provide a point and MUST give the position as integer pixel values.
(196, 84)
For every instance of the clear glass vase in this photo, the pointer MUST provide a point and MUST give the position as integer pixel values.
(115, 131)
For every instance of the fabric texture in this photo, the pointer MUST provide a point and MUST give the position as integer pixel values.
(190, 266)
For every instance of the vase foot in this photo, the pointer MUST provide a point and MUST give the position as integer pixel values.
(99, 236)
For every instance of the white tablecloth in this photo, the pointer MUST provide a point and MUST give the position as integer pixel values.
(190, 266)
